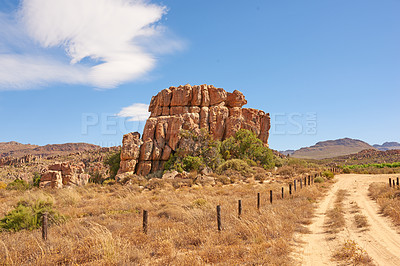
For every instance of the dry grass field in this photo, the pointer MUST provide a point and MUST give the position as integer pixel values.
(104, 225)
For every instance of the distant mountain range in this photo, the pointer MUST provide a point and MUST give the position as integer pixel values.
(387, 146)
(339, 147)
(16, 149)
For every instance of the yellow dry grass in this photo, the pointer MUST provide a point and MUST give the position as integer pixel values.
(104, 226)
(388, 200)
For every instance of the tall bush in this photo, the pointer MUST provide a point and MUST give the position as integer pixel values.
(245, 145)
(113, 162)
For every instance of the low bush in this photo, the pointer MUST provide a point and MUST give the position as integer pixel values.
(319, 180)
(191, 163)
(27, 215)
(328, 174)
(18, 185)
(36, 179)
(235, 164)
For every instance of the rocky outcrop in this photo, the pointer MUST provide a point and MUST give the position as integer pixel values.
(190, 108)
(64, 174)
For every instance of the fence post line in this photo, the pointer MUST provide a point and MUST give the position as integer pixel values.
(270, 196)
(219, 217)
(145, 221)
(239, 208)
(390, 182)
(44, 226)
(258, 201)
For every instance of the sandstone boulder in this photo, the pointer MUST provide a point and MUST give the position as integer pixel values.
(64, 174)
(190, 108)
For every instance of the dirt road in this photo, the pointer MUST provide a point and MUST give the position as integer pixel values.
(381, 241)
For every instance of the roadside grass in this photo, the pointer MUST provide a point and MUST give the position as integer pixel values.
(360, 220)
(336, 220)
(388, 200)
(351, 252)
(104, 225)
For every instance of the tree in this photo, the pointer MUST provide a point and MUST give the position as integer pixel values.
(113, 162)
(246, 146)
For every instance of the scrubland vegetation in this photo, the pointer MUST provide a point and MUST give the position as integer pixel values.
(102, 224)
(388, 199)
(352, 253)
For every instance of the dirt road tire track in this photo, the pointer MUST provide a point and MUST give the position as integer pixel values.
(381, 241)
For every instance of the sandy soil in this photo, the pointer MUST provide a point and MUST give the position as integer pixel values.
(381, 241)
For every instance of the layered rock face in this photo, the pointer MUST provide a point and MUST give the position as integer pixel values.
(64, 174)
(189, 108)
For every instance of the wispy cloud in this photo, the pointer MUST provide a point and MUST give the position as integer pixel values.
(104, 42)
(135, 112)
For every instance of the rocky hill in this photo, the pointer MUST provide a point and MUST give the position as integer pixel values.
(366, 157)
(16, 150)
(387, 146)
(332, 148)
(188, 108)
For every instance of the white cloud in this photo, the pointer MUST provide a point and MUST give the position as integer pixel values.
(119, 37)
(21, 71)
(136, 112)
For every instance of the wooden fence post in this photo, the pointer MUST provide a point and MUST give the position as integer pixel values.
(305, 181)
(394, 184)
(258, 201)
(270, 196)
(239, 208)
(397, 183)
(145, 221)
(219, 217)
(301, 183)
(282, 192)
(309, 180)
(290, 189)
(294, 185)
(44, 226)
(390, 182)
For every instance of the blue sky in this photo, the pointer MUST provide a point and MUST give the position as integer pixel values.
(322, 69)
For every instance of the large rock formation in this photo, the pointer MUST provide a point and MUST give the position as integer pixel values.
(64, 174)
(190, 108)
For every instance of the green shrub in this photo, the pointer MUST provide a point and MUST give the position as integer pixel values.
(196, 151)
(328, 174)
(36, 179)
(235, 164)
(113, 162)
(18, 185)
(192, 163)
(346, 170)
(319, 180)
(246, 146)
(28, 215)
